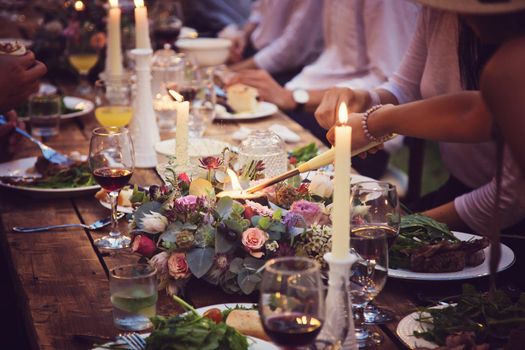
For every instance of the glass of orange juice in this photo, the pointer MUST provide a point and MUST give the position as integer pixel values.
(113, 102)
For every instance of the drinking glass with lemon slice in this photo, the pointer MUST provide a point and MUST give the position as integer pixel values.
(113, 100)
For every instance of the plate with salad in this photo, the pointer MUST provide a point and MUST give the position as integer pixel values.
(222, 326)
(36, 177)
(472, 320)
(427, 250)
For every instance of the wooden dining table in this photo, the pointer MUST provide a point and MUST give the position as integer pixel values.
(61, 278)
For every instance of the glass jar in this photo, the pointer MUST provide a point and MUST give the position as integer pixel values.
(265, 146)
(167, 68)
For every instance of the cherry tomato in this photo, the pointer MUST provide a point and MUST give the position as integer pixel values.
(214, 314)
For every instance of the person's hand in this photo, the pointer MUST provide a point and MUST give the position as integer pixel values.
(19, 79)
(326, 113)
(8, 137)
(359, 139)
(269, 89)
(238, 39)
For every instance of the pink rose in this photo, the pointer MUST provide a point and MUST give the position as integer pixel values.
(144, 246)
(178, 266)
(253, 240)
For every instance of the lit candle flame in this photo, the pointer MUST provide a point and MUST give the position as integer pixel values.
(79, 6)
(343, 113)
(139, 3)
(176, 96)
(236, 185)
(113, 3)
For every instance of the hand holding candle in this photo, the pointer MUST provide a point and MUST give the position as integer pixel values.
(142, 40)
(341, 203)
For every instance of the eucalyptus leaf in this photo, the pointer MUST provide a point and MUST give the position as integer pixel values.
(246, 282)
(252, 263)
(236, 265)
(225, 207)
(222, 244)
(235, 226)
(170, 235)
(264, 222)
(200, 260)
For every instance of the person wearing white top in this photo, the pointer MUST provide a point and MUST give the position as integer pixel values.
(286, 35)
(364, 42)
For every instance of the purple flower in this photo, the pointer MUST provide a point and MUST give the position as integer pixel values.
(293, 220)
(310, 212)
(210, 163)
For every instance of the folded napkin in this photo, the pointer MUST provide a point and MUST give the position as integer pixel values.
(282, 131)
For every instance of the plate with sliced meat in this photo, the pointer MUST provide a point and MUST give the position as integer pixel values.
(470, 256)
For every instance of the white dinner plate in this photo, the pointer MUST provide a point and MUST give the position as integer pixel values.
(506, 261)
(255, 343)
(84, 107)
(27, 43)
(197, 147)
(23, 167)
(409, 324)
(264, 109)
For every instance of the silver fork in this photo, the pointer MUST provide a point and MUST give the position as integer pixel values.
(49, 153)
(133, 340)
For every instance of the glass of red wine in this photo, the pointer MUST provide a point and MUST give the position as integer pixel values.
(112, 159)
(375, 208)
(291, 305)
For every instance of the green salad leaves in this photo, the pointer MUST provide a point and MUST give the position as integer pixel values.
(415, 231)
(489, 319)
(191, 331)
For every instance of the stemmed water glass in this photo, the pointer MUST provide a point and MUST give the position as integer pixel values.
(113, 101)
(82, 52)
(112, 160)
(368, 277)
(375, 205)
(291, 304)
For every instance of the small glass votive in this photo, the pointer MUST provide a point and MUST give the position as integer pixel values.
(265, 146)
(166, 111)
(44, 111)
(133, 290)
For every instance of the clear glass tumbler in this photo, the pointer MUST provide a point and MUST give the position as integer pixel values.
(133, 291)
(44, 112)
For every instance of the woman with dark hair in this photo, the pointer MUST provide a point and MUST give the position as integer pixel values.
(445, 57)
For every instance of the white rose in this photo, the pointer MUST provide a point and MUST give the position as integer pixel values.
(154, 222)
(322, 186)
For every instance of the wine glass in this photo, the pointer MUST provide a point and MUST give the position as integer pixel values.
(202, 111)
(112, 159)
(291, 302)
(113, 101)
(368, 277)
(83, 47)
(375, 205)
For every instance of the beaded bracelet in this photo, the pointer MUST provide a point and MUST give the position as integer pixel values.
(364, 124)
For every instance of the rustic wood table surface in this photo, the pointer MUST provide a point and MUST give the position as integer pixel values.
(61, 279)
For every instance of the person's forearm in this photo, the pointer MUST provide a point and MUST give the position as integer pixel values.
(248, 29)
(461, 117)
(448, 214)
(246, 64)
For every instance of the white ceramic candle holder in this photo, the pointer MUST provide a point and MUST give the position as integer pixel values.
(143, 127)
(336, 305)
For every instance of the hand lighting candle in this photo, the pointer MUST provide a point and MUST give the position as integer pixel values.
(114, 52)
(142, 40)
(181, 133)
(341, 207)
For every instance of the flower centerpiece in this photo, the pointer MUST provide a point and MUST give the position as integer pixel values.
(186, 232)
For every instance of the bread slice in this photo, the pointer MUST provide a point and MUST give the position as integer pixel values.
(247, 322)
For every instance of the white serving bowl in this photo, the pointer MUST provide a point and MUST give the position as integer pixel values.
(206, 51)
